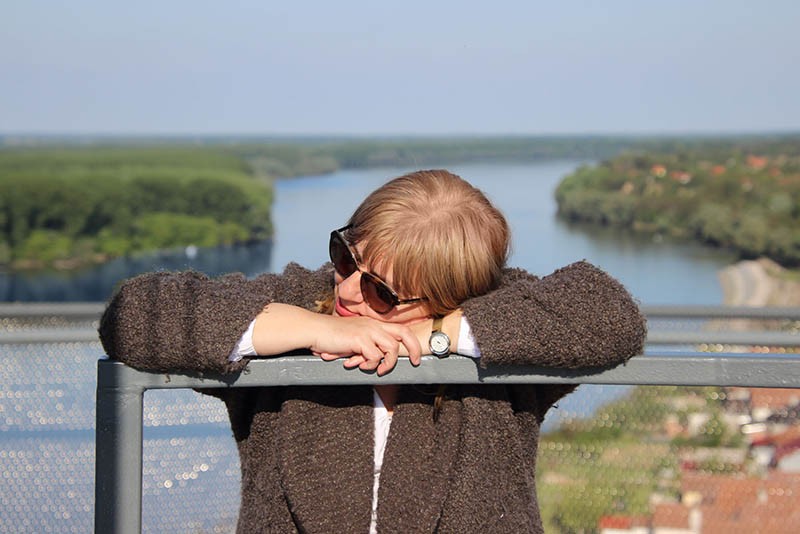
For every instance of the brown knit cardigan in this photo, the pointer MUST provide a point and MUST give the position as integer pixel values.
(307, 452)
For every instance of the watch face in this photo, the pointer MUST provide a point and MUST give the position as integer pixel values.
(440, 343)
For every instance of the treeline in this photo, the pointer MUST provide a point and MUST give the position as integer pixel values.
(66, 207)
(741, 195)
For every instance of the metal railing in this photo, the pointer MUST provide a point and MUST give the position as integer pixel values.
(120, 389)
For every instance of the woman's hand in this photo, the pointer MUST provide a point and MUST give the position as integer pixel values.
(368, 344)
(421, 331)
(280, 328)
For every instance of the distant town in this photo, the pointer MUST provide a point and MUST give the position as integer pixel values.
(717, 461)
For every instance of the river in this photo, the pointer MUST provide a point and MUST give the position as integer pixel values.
(306, 209)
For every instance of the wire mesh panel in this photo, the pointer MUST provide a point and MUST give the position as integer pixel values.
(47, 448)
(676, 459)
(47, 437)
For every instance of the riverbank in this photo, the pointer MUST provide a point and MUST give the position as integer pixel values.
(760, 282)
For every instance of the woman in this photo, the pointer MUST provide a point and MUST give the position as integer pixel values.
(460, 460)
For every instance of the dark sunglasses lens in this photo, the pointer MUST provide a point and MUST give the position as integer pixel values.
(376, 294)
(340, 256)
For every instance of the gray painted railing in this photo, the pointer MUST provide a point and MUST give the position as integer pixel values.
(118, 475)
(120, 389)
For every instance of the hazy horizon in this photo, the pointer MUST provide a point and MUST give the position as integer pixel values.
(267, 137)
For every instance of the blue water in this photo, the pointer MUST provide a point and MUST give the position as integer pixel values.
(306, 209)
(655, 271)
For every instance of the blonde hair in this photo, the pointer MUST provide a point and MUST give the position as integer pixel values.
(442, 237)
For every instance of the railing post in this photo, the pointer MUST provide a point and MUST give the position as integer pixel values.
(118, 465)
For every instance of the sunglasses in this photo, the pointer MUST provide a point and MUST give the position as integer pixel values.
(376, 292)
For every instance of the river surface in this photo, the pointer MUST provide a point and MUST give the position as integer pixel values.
(306, 209)
(190, 464)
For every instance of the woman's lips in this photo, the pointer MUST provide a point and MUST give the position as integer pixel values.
(342, 311)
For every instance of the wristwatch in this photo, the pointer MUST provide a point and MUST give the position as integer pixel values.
(439, 342)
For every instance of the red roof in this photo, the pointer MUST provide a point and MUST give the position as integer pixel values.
(671, 515)
(615, 521)
(773, 397)
(623, 522)
(752, 505)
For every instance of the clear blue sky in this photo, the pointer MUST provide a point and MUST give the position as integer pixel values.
(263, 67)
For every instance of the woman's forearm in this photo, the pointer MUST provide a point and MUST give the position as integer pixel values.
(281, 328)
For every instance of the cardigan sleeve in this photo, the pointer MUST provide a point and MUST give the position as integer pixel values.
(579, 316)
(187, 321)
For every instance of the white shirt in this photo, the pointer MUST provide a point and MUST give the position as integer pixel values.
(465, 345)
(383, 420)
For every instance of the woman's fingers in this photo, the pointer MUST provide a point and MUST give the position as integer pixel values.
(390, 352)
(354, 361)
(367, 344)
(373, 356)
(409, 339)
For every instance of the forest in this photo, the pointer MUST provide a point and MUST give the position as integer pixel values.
(742, 195)
(67, 207)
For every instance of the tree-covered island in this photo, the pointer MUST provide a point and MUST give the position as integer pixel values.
(743, 195)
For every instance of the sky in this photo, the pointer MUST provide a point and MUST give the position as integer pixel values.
(176, 67)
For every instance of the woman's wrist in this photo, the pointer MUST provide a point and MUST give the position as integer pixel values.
(451, 325)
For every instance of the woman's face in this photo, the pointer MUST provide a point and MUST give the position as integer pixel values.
(348, 300)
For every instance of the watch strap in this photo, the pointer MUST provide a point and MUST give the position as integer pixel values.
(437, 324)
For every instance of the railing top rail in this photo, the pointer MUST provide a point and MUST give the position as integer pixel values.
(722, 312)
(693, 369)
(48, 309)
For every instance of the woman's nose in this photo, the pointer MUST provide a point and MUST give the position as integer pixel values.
(350, 288)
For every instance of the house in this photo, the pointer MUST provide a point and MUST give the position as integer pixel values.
(726, 504)
(757, 162)
(761, 403)
(693, 458)
(779, 451)
(716, 170)
(658, 170)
